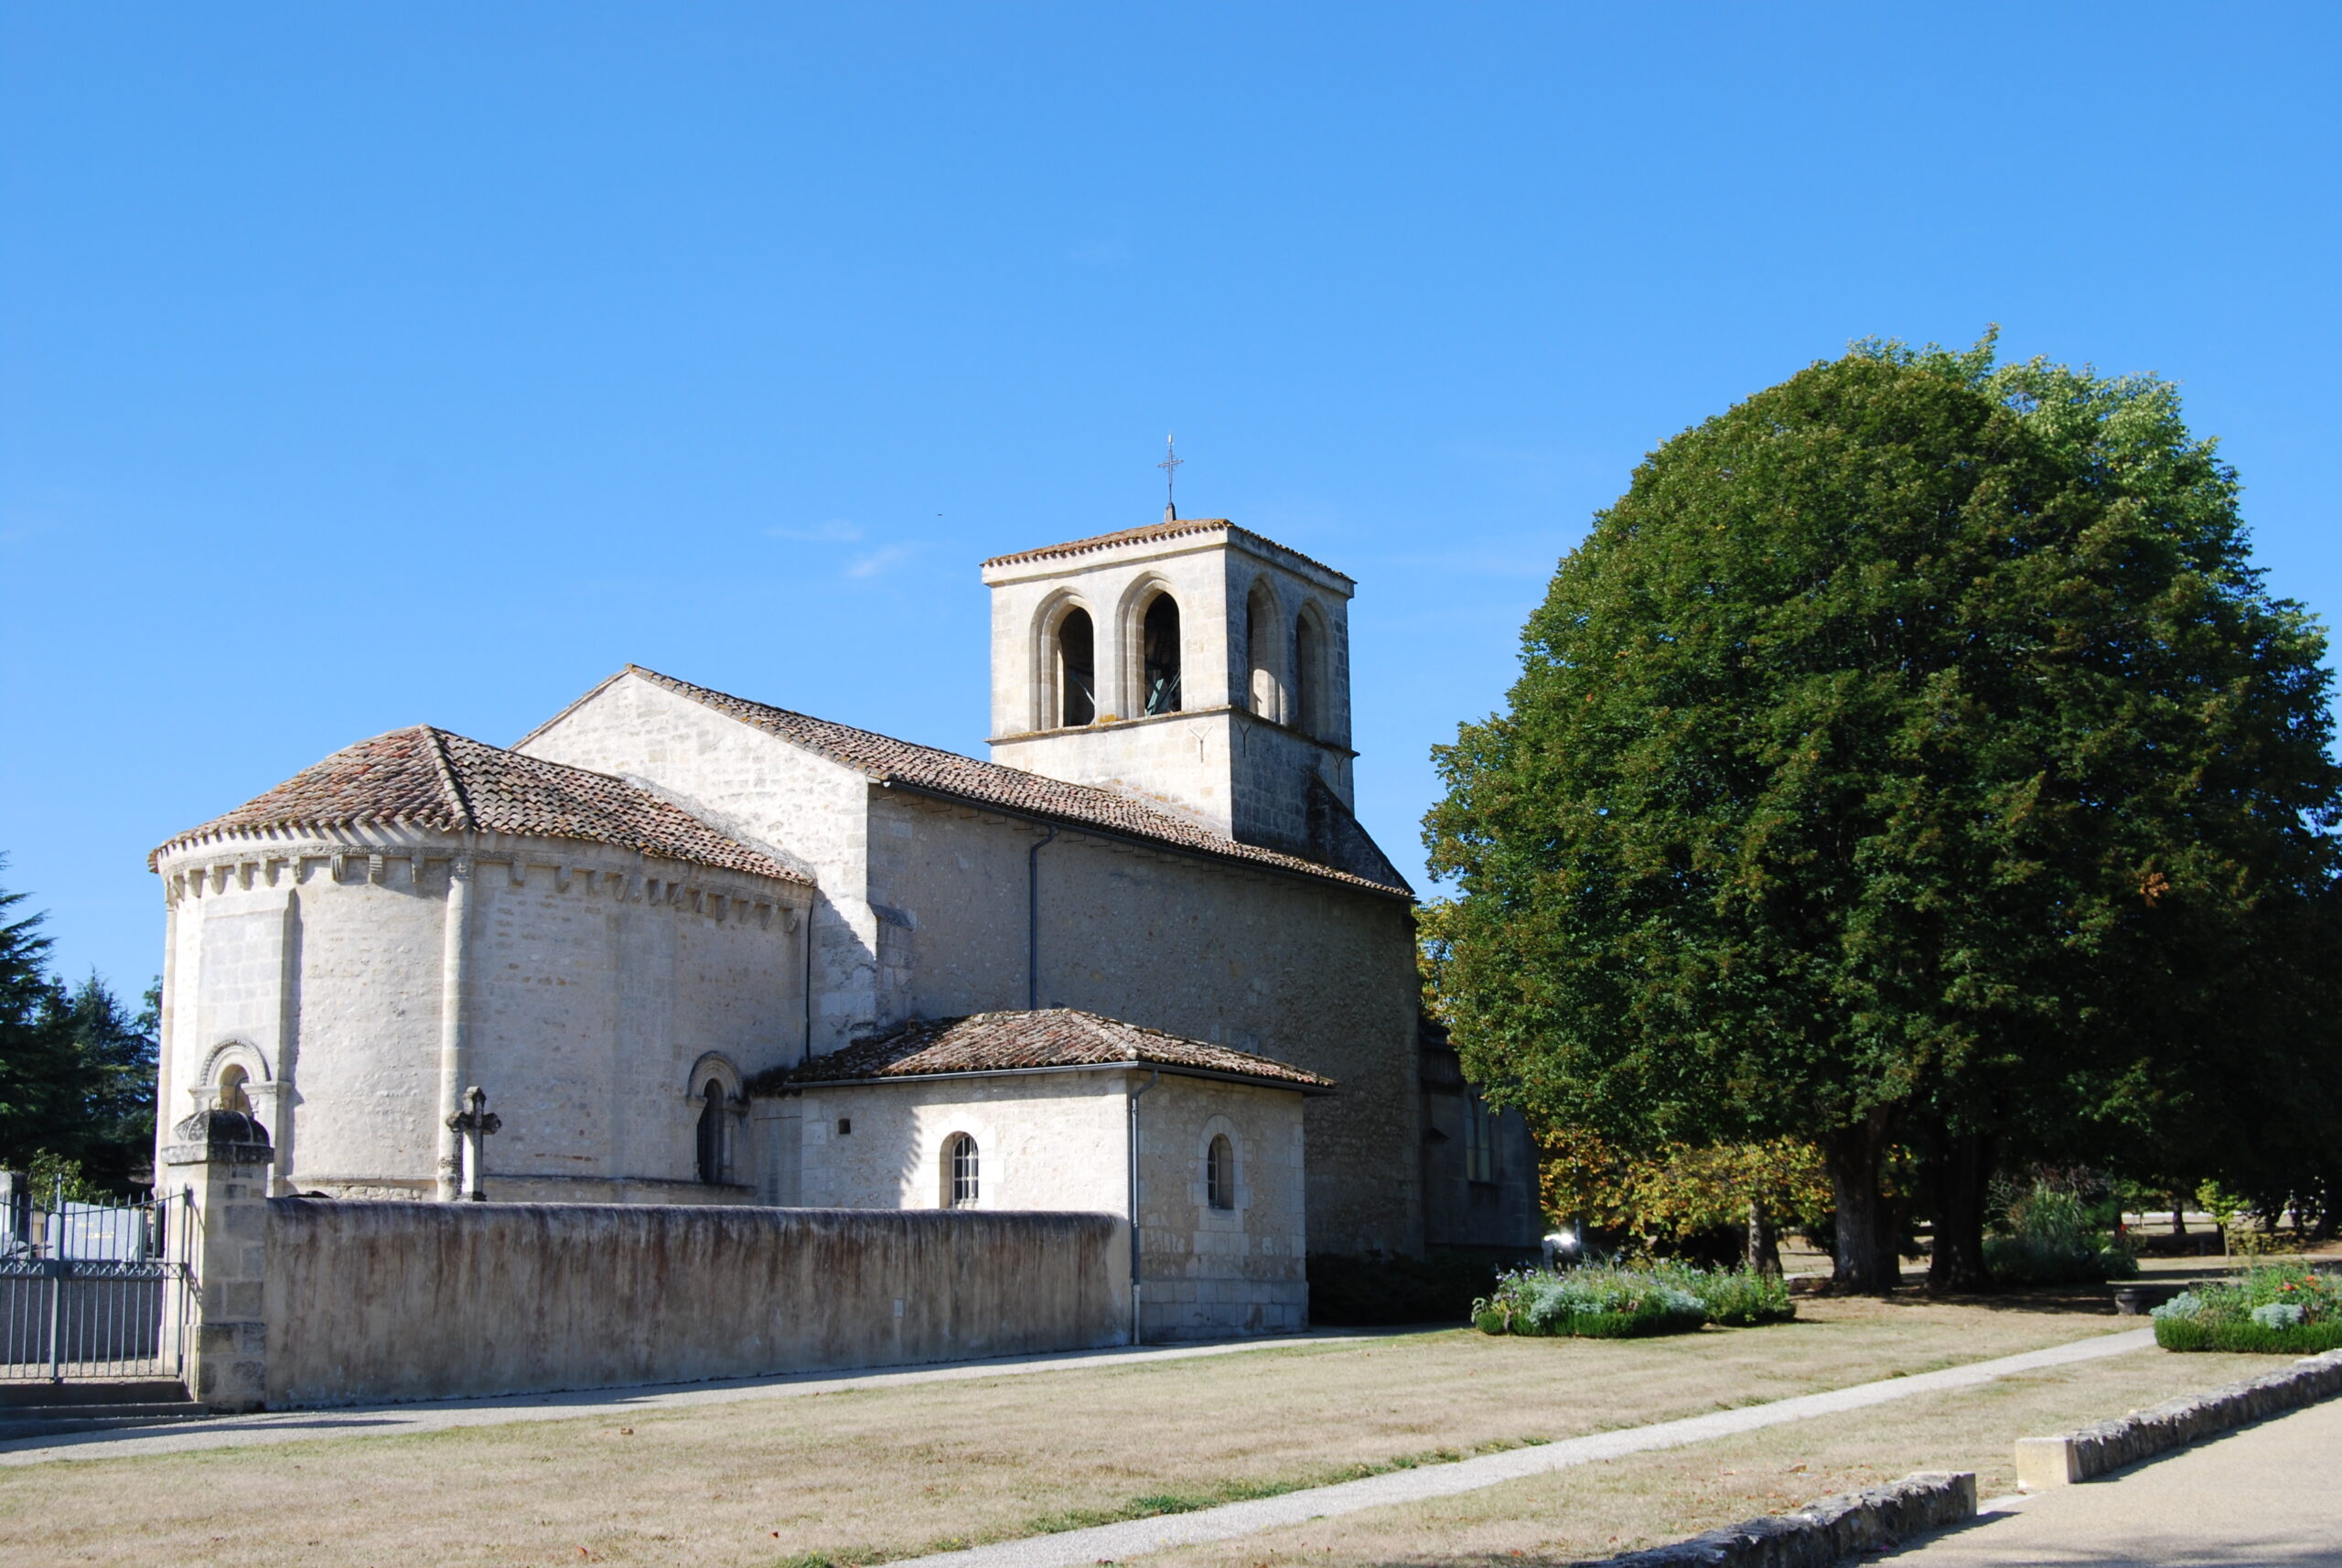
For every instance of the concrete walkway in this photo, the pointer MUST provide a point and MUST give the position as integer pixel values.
(2269, 1496)
(1117, 1542)
(391, 1420)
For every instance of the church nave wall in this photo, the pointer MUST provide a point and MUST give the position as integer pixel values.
(803, 810)
(1282, 965)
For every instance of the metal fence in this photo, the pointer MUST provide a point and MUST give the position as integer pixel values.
(91, 1290)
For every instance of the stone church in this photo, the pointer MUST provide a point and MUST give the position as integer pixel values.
(696, 949)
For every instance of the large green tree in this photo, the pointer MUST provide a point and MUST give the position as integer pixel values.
(1906, 755)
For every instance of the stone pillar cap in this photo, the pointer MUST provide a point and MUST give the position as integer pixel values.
(233, 1138)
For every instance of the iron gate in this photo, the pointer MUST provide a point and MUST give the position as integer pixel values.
(92, 1289)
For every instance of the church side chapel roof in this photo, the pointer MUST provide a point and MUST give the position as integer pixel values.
(1154, 532)
(427, 778)
(883, 759)
(1010, 1042)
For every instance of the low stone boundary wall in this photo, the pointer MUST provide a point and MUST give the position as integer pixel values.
(366, 1302)
(1826, 1532)
(2110, 1446)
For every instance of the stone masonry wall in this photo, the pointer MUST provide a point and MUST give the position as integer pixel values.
(409, 1301)
(1279, 964)
(803, 810)
(1059, 1141)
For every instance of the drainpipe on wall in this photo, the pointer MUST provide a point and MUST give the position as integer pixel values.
(454, 1054)
(806, 1055)
(1154, 1076)
(1033, 923)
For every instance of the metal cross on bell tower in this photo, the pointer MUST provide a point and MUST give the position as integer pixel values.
(1170, 467)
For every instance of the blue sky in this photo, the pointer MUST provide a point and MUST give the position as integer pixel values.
(362, 366)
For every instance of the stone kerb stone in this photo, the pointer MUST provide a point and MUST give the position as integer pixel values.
(221, 1160)
(2110, 1446)
(1824, 1533)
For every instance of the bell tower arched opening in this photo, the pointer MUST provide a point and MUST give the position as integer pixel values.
(1264, 653)
(1159, 656)
(1077, 669)
(1308, 704)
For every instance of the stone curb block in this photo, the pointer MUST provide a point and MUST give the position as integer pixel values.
(1825, 1532)
(2110, 1445)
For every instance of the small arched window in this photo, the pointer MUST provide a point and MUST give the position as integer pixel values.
(1077, 669)
(1159, 639)
(1219, 1172)
(960, 1187)
(1308, 677)
(232, 1095)
(713, 1130)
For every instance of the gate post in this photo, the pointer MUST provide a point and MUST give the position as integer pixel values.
(221, 1159)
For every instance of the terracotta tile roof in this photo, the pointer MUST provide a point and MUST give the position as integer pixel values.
(1007, 1042)
(1152, 532)
(883, 759)
(427, 778)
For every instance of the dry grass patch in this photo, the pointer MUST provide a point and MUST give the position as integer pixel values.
(1624, 1504)
(863, 1475)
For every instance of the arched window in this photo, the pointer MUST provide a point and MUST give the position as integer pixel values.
(960, 1184)
(1308, 676)
(714, 1127)
(232, 1095)
(1159, 654)
(1479, 1140)
(1219, 1172)
(1077, 669)
(1263, 634)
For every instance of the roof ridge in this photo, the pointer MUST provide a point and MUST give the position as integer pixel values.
(1023, 1039)
(424, 776)
(952, 775)
(455, 790)
(1175, 528)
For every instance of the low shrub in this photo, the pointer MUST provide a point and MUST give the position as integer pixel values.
(1614, 1302)
(2051, 1241)
(2282, 1310)
(1735, 1297)
(2035, 1261)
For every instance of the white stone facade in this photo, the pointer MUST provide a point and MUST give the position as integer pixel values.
(932, 907)
(594, 990)
(1206, 880)
(1060, 1140)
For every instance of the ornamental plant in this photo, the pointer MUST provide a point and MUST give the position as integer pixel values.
(2049, 1239)
(1612, 1302)
(2285, 1309)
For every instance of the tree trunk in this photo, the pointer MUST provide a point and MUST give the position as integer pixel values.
(1865, 1264)
(1764, 1245)
(1963, 1164)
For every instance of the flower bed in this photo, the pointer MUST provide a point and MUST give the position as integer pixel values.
(1606, 1301)
(2282, 1310)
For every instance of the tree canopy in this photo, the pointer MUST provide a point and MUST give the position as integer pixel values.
(1913, 751)
(77, 1067)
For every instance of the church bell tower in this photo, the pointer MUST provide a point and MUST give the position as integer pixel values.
(1190, 662)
